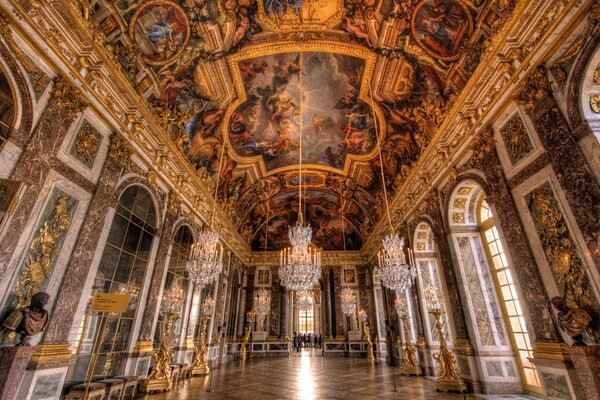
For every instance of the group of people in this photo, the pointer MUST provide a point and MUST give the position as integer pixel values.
(308, 340)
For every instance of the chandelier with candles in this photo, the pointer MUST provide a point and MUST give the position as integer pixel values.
(205, 261)
(305, 300)
(300, 265)
(394, 271)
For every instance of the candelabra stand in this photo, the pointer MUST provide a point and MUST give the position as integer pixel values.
(160, 376)
(200, 366)
(247, 332)
(409, 362)
(367, 337)
(448, 378)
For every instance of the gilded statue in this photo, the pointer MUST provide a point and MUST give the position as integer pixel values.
(30, 320)
(575, 322)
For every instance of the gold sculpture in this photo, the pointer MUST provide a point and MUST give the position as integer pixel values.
(87, 143)
(160, 375)
(367, 337)
(200, 365)
(42, 251)
(247, 332)
(448, 378)
(409, 362)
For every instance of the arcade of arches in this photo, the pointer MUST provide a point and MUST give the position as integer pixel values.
(129, 127)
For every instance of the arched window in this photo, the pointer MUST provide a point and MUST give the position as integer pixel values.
(122, 269)
(491, 301)
(176, 277)
(508, 293)
(7, 108)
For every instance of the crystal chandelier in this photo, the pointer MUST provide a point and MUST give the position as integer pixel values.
(348, 301)
(300, 266)
(305, 300)
(205, 262)
(394, 271)
(262, 302)
(172, 299)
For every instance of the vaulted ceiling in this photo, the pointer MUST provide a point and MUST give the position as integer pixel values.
(243, 81)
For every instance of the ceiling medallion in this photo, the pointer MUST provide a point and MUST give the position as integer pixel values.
(160, 29)
(595, 103)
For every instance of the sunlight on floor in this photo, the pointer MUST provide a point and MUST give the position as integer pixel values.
(306, 382)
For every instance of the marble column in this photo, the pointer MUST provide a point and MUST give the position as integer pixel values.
(581, 188)
(535, 301)
(153, 296)
(276, 302)
(448, 269)
(64, 312)
(39, 158)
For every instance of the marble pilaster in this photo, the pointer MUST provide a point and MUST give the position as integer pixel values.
(160, 269)
(581, 188)
(535, 301)
(338, 317)
(14, 360)
(276, 303)
(32, 169)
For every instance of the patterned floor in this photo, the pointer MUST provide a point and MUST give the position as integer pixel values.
(306, 377)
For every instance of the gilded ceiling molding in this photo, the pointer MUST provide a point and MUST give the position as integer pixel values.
(67, 97)
(535, 87)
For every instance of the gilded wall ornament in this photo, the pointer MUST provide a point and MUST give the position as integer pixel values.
(597, 76)
(120, 149)
(67, 97)
(42, 252)
(516, 140)
(87, 144)
(534, 88)
(560, 250)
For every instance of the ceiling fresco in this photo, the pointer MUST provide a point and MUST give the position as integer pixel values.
(241, 78)
(335, 123)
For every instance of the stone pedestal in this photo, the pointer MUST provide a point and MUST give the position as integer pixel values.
(13, 360)
(354, 336)
(259, 336)
(586, 360)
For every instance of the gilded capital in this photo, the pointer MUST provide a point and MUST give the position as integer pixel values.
(534, 88)
(67, 97)
(120, 149)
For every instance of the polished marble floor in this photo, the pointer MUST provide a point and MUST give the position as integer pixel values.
(305, 376)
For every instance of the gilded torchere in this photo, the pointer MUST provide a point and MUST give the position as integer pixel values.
(160, 375)
(409, 362)
(448, 377)
(200, 365)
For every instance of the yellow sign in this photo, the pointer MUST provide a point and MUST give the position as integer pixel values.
(110, 302)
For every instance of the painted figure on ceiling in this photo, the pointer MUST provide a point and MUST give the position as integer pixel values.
(280, 7)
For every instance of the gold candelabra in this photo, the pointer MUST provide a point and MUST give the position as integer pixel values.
(200, 365)
(247, 332)
(367, 336)
(448, 378)
(409, 362)
(160, 375)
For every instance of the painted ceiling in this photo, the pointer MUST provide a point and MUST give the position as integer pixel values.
(249, 79)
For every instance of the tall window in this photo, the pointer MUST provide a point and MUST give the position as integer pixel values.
(122, 270)
(512, 306)
(176, 276)
(306, 319)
